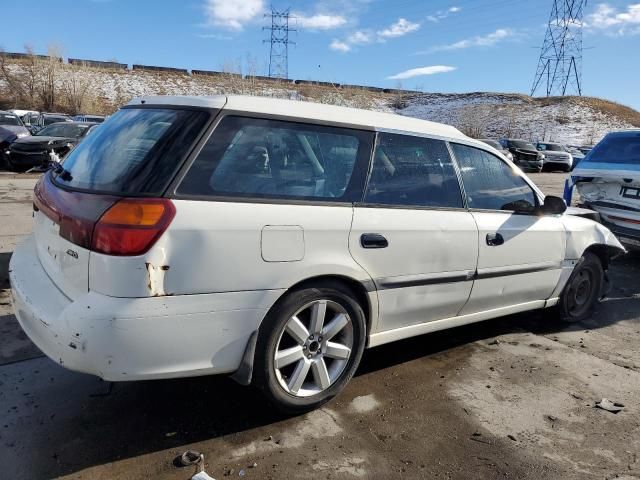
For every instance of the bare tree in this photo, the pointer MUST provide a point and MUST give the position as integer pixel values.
(473, 120)
(50, 69)
(75, 87)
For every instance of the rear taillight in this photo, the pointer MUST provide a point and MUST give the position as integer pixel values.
(132, 225)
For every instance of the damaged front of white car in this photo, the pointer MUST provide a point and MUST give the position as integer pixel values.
(608, 181)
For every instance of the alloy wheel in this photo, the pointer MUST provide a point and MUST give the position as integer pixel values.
(313, 348)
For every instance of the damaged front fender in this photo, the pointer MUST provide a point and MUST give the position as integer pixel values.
(584, 234)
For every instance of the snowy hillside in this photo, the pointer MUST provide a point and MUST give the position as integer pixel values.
(570, 120)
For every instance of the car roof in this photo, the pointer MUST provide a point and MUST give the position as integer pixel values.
(329, 114)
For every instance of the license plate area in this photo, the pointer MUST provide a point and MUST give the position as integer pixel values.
(630, 192)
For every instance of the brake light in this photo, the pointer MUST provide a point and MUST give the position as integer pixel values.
(132, 225)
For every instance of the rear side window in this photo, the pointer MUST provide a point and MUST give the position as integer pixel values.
(413, 171)
(136, 151)
(259, 158)
(491, 184)
(617, 148)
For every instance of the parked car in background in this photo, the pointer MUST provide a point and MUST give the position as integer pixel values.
(576, 153)
(51, 143)
(45, 119)
(498, 146)
(89, 118)
(525, 155)
(11, 128)
(556, 156)
(30, 120)
(608, 181)
(285, 237)
(23, 113)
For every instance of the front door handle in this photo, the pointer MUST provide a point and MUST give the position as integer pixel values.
(494, 239)
(373, 240)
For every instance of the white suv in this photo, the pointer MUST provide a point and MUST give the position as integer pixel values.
(275, 240)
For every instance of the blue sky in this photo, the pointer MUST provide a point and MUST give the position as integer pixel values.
(434, 45)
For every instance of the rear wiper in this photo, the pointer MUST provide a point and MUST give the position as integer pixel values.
(60, 171)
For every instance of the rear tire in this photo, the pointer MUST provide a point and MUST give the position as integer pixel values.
(309, 346)
(582, 292)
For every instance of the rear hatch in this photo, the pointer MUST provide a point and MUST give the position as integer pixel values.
(608, 179)
(127, 163)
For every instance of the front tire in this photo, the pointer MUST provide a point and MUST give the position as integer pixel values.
(582, 292)
(309, 346)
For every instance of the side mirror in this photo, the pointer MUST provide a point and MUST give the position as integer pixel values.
(553, 206)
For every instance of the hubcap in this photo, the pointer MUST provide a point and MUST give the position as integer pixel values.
(314, 348)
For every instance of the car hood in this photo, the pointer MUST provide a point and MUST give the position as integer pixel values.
(524, 150)
(39, 139)
(551, 153)
(7, 131)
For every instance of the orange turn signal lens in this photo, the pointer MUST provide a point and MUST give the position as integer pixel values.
(134, 213)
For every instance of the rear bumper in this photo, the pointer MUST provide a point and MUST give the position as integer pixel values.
(121, 339)
(629, 237)
(626, 235)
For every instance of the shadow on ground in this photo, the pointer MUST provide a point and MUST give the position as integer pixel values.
(77, 414)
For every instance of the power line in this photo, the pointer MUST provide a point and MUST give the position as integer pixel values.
(560, 62)
(279, 40)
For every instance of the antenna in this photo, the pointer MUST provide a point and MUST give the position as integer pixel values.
(279, 40)
(560, 62)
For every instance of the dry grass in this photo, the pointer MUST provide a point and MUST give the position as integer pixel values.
(606, 107)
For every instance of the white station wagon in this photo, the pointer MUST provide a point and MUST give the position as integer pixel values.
(276, 240)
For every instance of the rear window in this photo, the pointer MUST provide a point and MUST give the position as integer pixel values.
(136, 151)
(257, 158)
(623, 149)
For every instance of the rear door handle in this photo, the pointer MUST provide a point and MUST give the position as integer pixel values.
(373, 240)
(494, 239)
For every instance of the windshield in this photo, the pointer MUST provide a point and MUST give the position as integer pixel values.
(68, 130)
(521, 144)
(49, 120)
(617, 148)
(94, 119)
(135, 151)
(9, 119)
(551, 147)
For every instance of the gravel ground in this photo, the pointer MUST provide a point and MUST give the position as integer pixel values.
(512, 397)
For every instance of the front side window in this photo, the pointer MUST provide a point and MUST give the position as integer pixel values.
(259, 158)
(413, 171)
(491, 184)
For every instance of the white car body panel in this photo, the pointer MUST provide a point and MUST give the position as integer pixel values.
(426, 272)
(66, 262)
(532, 245)
(134, 338)
(193, 303)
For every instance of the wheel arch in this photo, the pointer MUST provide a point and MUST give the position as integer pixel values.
(360, 290)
